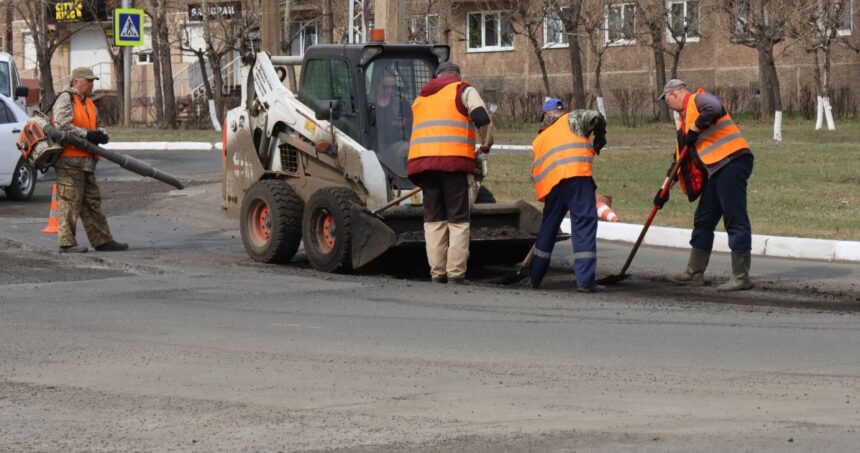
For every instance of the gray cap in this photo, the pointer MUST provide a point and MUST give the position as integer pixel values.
(83, 73)
(672, 85)
(448, 67)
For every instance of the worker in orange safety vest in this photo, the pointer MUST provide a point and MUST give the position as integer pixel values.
(563, 157)
(717, 147)
(449, 119)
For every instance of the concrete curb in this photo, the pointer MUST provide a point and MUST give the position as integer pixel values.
(775, 246)
(163, 146)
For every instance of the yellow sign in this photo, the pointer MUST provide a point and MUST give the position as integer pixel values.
(68, 11)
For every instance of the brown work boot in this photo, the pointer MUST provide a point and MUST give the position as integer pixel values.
(694, 275)
(73, 249)
(740, 273)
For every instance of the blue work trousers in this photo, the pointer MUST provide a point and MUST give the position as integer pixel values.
(575, 195)
(725, 195)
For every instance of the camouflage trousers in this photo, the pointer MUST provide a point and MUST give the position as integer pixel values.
(78, 196)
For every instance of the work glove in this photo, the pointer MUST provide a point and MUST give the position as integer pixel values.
(690, 139)
(97, 137)
(598, 143)
(660, 201)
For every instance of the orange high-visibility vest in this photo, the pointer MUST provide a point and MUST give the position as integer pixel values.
(85, 118)
(717, 142)
(559, 154)
(439, 129)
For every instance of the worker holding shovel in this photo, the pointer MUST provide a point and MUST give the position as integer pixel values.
(561, 173)
(721, 155)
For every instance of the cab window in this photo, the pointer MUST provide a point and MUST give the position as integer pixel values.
(331, 79)
(5, 89)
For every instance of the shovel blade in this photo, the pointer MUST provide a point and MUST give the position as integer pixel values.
(371, 237)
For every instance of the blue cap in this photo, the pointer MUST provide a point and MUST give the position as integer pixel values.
(552, 104)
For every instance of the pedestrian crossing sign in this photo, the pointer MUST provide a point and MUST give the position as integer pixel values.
(128, 26)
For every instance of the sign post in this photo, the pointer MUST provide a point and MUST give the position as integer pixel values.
(128, 33)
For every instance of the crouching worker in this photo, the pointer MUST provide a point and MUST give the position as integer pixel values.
(77, 192)
(561, 173)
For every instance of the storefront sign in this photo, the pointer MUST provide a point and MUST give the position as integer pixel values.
(214, 10)
(65, 11)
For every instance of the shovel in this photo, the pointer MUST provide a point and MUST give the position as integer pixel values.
(519, 274)
(664, 190)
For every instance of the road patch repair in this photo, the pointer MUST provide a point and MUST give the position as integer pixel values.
(33, 265)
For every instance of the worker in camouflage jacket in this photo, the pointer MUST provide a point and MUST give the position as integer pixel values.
(562, 169)
(77, 192)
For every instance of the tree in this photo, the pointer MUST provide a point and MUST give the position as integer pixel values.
(653, 16)
(602, 33)
(47, 38)
(527, 19)
(571, 19)
(819, 30)
(165, 96)
(761, 25)
(9, 8)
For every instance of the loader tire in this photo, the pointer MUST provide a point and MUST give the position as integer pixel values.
(328, 229)
(271, 221)
(484, 196)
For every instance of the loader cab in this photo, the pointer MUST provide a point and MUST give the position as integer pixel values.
(375, 85)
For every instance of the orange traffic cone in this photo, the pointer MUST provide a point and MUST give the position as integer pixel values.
(603, 209)
(53, 225)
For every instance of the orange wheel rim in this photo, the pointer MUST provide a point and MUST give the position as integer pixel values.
(260, 222)
(328, 229)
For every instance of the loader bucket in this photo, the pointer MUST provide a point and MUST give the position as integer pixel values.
(370, 237)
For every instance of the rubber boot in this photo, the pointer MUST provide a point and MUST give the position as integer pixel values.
(694, 275)
(436, 240)
(740, 273)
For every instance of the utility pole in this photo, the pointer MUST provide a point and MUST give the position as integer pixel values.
(126, 77)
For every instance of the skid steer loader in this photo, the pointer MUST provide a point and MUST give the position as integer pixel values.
(311, 166)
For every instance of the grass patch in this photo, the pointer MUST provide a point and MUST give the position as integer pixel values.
(154, 134)
(808, 186)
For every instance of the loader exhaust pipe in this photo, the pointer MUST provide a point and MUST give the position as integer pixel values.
(123, 160)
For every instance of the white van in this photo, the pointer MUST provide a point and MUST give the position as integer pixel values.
(10, 83)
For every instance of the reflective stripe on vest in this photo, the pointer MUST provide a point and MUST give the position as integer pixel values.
(717, 142)
(439, 129)
(84, 118)
(559, 154)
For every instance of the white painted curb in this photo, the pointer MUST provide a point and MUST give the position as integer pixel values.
(776, 246)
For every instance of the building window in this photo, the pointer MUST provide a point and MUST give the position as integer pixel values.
(620, 24)
(846, 18)
(684, 15)
(424, 29)
(29, 50)
(143, 54)
(489, 31)
(304, 35)
(554, 34)
(742, 19)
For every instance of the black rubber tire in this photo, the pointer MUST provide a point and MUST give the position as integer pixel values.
(484, 196)
(327, 251)
(23, 182)
(271, 221)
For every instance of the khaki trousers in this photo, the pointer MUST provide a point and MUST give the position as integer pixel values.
(447, 249)
(78, 196)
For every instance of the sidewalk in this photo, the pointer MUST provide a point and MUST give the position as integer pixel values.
(775, 246)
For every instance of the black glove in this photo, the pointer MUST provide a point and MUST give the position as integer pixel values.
(598, 143)
(660, 201)
(690, 139)
(97, 137)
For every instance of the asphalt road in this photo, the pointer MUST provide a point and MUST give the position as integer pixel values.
(183, 343)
